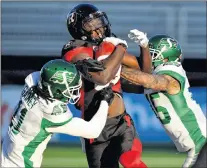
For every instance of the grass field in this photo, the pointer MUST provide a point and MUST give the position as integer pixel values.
(68, 156)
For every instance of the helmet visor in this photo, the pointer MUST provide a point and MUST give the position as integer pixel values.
(95, 21)
(73, 93)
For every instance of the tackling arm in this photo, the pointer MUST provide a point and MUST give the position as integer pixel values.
(145, 59)
(80, 127)
(155, 82)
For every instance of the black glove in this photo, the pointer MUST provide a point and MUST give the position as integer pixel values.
(89, 65)
(105, 94)
(91, 108)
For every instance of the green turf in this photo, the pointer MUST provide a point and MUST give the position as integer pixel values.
(68, 156)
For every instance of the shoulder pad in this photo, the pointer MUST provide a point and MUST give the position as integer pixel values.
(32, 79)
(174, 70)
(74, 44)
(170, 66)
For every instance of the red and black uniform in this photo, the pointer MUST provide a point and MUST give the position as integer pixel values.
(118, 140)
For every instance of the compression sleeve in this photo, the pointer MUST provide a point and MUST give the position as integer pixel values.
(86, 129)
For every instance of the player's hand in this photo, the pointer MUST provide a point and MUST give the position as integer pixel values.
(116, 41)
(106, 94)
(139, 37)
(89, 65)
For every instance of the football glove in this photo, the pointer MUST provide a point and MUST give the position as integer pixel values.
(89, 65)
(105, 94)
(139, 37)
(116, 41)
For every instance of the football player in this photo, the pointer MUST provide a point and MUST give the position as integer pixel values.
(167, 90)
(42, 110)
(93, 39)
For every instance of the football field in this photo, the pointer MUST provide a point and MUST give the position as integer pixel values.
(68, 156)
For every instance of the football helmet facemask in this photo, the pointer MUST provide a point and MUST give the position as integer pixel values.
(164, 47)
(84, 19)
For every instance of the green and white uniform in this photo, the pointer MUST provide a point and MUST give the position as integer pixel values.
(180, 115)
(27, 138)
(36, 119)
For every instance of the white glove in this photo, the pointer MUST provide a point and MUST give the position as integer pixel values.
(115, 41)
(139, 37)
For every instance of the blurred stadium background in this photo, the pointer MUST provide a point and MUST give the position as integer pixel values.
(34, 32)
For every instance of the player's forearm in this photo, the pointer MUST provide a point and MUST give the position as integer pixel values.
(80, 127)
(111, 65)
(146, 59)
(156, 82)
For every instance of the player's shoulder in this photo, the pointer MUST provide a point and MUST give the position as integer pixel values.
(72, 44)
(170, 67)
(32, 79)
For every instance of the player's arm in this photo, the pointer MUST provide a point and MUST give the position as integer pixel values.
(80, 127)
(155, 82)
(110, 64)
(92, 128)
(145, 58)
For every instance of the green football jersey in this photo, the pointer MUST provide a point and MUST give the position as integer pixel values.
(27, 137)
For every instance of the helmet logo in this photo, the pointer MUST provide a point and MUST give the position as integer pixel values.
(72, 18)
(58, 77)
(84, 38)
(171, 42)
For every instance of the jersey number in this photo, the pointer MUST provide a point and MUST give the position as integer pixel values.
(161, 112)
(18, 120)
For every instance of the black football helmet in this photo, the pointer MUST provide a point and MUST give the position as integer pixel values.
(83, 19)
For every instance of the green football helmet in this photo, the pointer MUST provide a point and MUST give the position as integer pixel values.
(60, 80)
(164, 47)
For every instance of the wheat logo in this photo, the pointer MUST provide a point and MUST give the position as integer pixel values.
(62, 77)
(168, 42)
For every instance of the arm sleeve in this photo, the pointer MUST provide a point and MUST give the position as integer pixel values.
(80, 127)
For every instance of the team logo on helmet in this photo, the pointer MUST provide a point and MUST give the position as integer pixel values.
(168, 42)
(61, 77)
(72, 18)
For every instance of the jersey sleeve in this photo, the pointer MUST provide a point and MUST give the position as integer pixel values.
(174, 70)
(75, 47)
